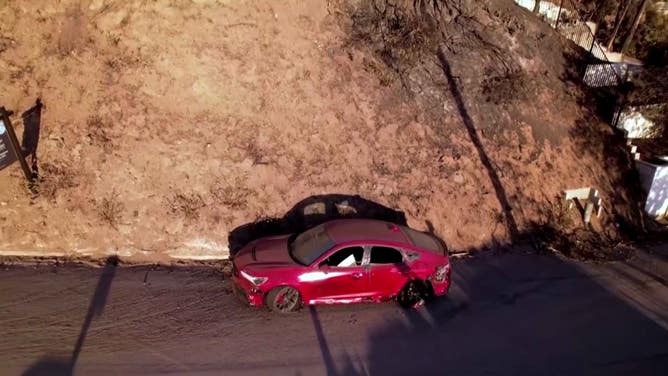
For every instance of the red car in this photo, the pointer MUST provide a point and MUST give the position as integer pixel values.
(342, 261)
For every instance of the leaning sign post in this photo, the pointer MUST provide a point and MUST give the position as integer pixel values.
(10, 150)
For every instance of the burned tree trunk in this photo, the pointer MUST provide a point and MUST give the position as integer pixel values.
(619, 19)
(636, 21)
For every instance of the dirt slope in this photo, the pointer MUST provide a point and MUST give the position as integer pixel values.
(169, 123)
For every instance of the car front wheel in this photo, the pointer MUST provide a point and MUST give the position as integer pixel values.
(284, 299)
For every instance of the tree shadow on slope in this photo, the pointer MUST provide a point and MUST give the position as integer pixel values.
(500, 191)
(311, 212)
(59, 366)
(431, 46)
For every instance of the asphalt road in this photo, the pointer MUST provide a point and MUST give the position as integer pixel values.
(507, 315)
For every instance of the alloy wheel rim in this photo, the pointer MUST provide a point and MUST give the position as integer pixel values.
(287, 300)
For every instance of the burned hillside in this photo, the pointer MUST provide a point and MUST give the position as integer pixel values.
(168, 124)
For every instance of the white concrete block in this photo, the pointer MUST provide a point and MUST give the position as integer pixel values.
(588, 197)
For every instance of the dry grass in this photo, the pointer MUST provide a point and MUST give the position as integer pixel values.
(110, 210)
(98, 131)
(186, 205)
(233, 195)
(54, 178)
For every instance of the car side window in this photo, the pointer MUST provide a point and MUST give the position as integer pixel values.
(346, 257)
(385, 255)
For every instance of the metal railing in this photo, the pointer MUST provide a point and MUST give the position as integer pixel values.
(599, 71)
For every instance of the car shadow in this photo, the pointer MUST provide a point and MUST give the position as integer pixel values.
(311, 212)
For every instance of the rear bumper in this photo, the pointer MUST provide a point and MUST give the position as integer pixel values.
(440, 288)
(247, 293)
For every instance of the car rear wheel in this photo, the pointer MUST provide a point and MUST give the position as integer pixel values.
(412, 295)
(284, 299)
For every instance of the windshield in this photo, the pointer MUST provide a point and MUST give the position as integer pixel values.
(309, 245)
(422, 240)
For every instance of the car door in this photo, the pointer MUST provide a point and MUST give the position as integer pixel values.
(341, 275)
(387, 271)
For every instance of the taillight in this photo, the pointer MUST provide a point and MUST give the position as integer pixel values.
(442, 272)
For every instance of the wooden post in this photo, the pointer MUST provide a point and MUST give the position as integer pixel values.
(556, 24)
(14, 144)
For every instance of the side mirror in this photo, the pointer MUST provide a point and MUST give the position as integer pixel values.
(323, 268)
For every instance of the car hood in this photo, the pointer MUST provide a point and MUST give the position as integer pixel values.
(265, 252)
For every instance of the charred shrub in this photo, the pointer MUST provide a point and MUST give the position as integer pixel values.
(506, 87)
(583, 244)
(559, 234)
(395, 31)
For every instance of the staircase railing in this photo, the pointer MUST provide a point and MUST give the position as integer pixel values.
(599, 71)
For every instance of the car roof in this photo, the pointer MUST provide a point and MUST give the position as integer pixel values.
(350, 230)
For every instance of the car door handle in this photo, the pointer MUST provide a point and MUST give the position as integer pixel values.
(357, 275)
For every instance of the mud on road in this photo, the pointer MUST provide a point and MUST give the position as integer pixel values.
(512, 314)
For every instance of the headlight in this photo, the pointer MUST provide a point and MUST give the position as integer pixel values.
(257, 281)
(441, 272)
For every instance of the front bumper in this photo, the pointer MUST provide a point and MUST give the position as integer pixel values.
(248, 293)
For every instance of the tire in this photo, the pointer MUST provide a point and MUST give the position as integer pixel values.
(412, 294)
(284, 299)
